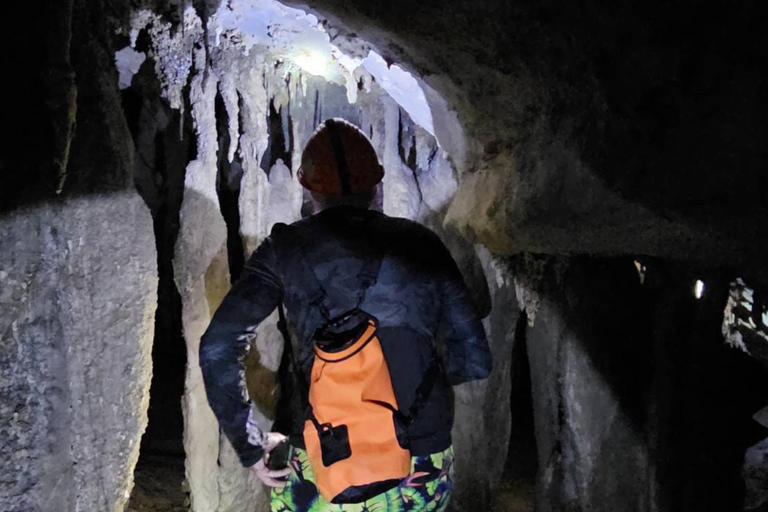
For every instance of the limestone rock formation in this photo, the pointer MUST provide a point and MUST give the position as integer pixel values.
(483, 419)
(588, 405)
(76, 341)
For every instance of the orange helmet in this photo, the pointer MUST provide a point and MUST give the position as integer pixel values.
(339, 159)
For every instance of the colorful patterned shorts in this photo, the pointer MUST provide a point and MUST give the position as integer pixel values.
(427, 489)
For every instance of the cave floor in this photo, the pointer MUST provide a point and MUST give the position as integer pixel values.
(159, 485)
(515, 496)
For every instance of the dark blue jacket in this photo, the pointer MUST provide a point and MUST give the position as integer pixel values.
(418, 298)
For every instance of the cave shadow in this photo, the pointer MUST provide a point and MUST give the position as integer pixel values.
(688, 396)
(705, 391)
(165, 142)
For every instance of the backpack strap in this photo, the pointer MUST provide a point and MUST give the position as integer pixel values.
(424, 390)
(341, 160)
(317, 295)
(422, 393)
(368, 276)
(282, 326)
(301, 381)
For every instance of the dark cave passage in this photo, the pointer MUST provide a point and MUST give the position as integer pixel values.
(522, 461)
(164, 146)
(228, 190)
(517, 491)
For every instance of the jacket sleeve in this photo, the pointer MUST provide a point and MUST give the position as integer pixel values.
(468, 356)
(253, 297)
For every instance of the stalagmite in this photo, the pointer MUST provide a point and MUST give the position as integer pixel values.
(202, 277)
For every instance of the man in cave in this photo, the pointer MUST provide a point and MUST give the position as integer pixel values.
(365, 413)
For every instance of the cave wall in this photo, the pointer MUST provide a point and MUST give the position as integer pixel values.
(638, 403)
(592, 128)
(590, 368)
(78, 275)
(76, 351)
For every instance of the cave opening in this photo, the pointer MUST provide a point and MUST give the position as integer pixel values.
(219, 117)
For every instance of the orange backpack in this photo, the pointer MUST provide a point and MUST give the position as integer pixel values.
(352, 428)
(355, 433)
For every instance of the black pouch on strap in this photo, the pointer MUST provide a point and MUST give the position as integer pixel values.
(334, 443)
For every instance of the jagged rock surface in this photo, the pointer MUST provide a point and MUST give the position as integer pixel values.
(202, 277)
(76, 340)
(483, 419)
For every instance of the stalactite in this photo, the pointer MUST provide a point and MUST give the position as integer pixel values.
(406, 148)
(401, 196)
(436, 173)
(254, 141)
(228, 91)
(172, 52)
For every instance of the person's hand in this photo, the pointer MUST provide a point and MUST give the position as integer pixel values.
(270, 477)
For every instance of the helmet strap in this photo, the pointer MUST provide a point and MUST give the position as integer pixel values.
(341, 162)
